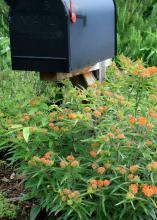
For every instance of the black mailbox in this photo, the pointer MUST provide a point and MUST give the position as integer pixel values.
(61, 35)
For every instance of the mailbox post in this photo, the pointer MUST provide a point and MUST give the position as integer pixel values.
(61, 36)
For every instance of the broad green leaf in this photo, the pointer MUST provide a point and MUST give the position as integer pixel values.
(34, 212)
(26, 133)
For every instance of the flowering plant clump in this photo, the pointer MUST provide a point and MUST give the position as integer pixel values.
(95, 155)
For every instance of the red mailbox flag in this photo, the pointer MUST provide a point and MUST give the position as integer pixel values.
(73, 15)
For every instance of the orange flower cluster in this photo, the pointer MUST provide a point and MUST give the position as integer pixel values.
(96, 144)
(63, 164)
(144, 72)
(121, 136)
(150, 126)
(148, 72)
(44, 160)
(133, 188)
(97, 114)
(101, 170)
(72, 161)
(133, 168)
(93, 153)
(152, 166)
(99, 183)
(121, 170)
(152, 113)
(26, 117)
(132, 119)
(88, 109)
(142, 121)
(72, 116)
(102, 108)
(149, 142)
(149, 190)
(108, 93)
(55, 128)
(134, 178)
(70, 196)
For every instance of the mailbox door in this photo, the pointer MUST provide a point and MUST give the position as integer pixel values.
(39, 35)
(93, 36)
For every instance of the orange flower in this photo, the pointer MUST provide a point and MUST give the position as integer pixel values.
(48, 155)
(150, 126)
(121, 136)
(133, 188)
(72, 116)
(100, 183)
(132, 120)
(152, 166)
(149, 142)
(121, 170)
(66, 191)
(148, 190)
(96, 144)
(110, 134)
(45, 161)
(51, 124)
(26, 117)
(93, 181)
(135, 72)
(61, 116)
(152, 113)
(66, 110)
(87, 109)
(108, 93)
(142, 121)
(71, 195)
(102, 108)
(63, 164)
(70, 158)
(93, 153)
(97, 114)
(107, 182)
(133, 168)
(74, 163)
(56, 128)
(118, 131)
(101, 170)
(130, 176)
(140, 67)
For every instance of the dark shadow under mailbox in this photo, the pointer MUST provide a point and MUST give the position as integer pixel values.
(44, 37)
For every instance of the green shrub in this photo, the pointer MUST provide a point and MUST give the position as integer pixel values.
(93, 157)
(7, 209)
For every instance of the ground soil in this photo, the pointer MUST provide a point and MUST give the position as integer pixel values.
(12, 186)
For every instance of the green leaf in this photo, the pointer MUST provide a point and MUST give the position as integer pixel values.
(16, 126)
(26, 133)
(34, 212)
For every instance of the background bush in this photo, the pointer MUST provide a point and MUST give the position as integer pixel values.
(137, 29)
